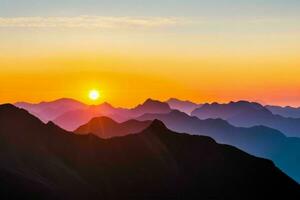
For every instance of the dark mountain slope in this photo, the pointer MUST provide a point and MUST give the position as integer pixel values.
(259, 140)
(154, 164)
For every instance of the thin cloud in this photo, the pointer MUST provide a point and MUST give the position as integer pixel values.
(101, 22)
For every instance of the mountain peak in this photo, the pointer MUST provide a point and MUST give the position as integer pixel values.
(175, 100)
(9, 109)
(233, 106)
(245, 103)
(157, 125)
(152, 106)
(102, 119)
(178, 112)
(60, 101)
(65, 99)
(183, 105)
(18, 119)
(106, 104)
(152, 101)
(172, 99)
(7, 106)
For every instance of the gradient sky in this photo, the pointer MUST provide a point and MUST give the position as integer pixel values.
(133, 49)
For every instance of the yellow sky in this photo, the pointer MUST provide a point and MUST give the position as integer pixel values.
(129, 65)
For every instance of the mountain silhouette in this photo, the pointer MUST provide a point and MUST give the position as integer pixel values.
(105, 127)
(183, 106)
(247, 114)
(150, 106)
(75, 118)
(43, 161)
(286, 111)
(258, 140)
(230, 110)
(48, 111)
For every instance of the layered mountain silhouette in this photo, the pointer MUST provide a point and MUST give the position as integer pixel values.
(43, 161)
(286, 111)
(247, 114)
(183, 106)
(73, 119)
(150, 106)
(259, 140)
(48, 111)
(105, 127)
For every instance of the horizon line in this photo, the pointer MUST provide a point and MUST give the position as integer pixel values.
(164, 101)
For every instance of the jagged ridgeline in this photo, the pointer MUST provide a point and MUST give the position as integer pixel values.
(43, 161)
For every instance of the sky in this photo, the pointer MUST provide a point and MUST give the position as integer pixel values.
(204, 51)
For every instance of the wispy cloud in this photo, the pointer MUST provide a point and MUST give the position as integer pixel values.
(196, 24)
(102, 22)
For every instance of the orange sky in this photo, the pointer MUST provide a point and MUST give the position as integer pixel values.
(129, 59)
(126, 80)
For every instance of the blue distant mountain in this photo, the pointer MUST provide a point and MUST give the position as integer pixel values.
(286, 111)
(247, 114)
(258, 140)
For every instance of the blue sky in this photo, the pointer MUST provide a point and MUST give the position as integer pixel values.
(223, 8)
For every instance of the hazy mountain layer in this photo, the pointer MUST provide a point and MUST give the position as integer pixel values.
(105, 127)
(45, 162)
(247, 114)
(259, 140)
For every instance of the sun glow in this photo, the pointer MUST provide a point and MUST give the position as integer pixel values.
(94, 95)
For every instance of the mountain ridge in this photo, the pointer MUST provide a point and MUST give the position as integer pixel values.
(105, 127)
(156, 163)
(286, 111)
(73, 119)
(258, 140)
(183, 106)
(247, 114)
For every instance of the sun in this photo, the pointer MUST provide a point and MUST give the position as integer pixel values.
(94, 95)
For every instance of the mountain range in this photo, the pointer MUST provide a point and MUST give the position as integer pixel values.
(183, 106)
(247, 114)
(70, 114)
(48, 111)
(258, 140)
(43, 161)
(286, 111)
